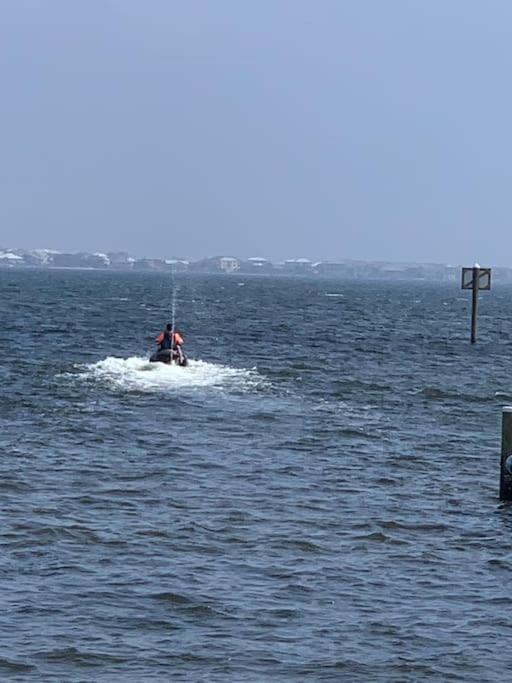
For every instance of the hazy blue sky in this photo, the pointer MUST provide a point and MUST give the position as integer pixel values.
(376, 129)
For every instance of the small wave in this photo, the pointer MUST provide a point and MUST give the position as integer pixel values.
(72, 655)
(138, 374)
(10, 666)
(174, 598)
(503, 394)
(436, 393)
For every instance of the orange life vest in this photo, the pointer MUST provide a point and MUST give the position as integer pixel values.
(175, 338)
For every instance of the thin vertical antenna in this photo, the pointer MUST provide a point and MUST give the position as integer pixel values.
(173, 315)
(173, 308)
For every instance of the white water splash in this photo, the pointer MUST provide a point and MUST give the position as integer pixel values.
(138, 374)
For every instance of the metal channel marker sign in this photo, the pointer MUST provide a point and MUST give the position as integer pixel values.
(476, 279)
(484, 278)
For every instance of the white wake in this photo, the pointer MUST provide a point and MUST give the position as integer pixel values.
(138, 374)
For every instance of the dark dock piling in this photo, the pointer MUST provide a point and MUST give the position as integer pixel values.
(506, 454)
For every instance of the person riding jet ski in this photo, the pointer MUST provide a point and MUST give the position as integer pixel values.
(169, 347)
(169, 338)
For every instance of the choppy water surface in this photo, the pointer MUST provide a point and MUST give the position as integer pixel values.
(313, 499)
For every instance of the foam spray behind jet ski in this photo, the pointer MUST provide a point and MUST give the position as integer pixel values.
(173, 355)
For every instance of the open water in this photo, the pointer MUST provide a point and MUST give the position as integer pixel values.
(313, 499)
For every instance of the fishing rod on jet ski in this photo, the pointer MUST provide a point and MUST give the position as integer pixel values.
(173, 312)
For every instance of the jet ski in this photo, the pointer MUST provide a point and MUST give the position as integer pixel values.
(170, 357)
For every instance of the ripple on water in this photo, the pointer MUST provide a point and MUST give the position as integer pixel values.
(312, 520)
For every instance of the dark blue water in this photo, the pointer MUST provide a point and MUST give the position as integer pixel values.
(313, 499)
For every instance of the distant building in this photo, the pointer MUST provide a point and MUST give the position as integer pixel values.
(80, 260)
(149, 264)
(333, 269)
(8, 258)
(40, 257)
(256, 264)
(451, 273)
(102, 257)
(298, 265)
(177, 265)
(228, 264)
(217, 264)
(120, 260)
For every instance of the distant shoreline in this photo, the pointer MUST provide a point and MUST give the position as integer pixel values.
(354, 277)
(225, 265)
(122, 262)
